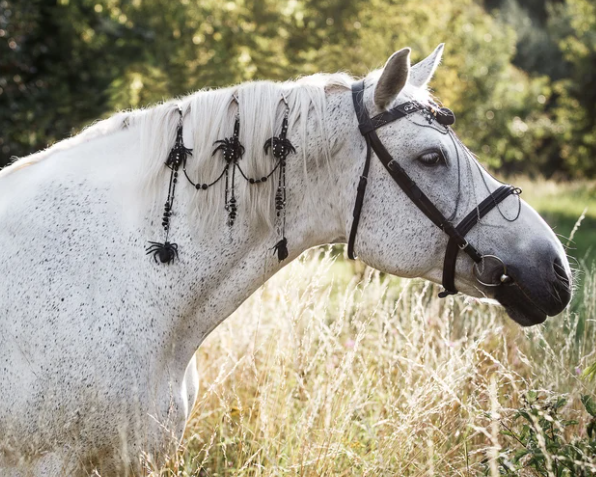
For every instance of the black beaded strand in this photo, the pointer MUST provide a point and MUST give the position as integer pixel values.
(281, 147)
(232, 151)
(167, 251)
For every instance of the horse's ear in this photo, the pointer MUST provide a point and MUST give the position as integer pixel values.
(422, 72)
(393, 79)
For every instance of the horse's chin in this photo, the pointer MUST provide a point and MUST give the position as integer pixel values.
(526, 315)
(519, 307)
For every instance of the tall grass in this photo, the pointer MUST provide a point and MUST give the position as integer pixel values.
(324, 372)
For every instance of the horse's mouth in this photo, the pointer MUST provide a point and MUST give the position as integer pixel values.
(526, 315)
(520, 306)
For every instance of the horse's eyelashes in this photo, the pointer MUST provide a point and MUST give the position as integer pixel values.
(431, 158)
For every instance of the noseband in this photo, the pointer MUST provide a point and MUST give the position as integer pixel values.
(457, 234)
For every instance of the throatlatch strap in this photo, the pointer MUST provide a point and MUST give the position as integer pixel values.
(463, 228)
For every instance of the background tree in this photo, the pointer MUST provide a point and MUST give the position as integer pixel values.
(520, 78)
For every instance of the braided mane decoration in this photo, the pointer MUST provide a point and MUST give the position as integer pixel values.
(281, 147)
(232, 151)
(167, 251)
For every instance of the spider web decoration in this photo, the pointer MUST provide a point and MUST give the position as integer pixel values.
(281, 147)
(166, 251)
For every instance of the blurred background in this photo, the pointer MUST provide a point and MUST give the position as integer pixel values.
(327, 369)
(520, 75)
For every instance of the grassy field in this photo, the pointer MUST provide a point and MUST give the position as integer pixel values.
(562, 204)
(327, 372)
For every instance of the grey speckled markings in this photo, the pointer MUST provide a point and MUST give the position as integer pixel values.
(97, 340)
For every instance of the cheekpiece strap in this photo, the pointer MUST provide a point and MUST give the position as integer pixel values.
(398, 174)
(468, 222)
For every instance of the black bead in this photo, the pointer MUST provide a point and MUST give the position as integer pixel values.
(197, 186)
(251, 180)
(204, 186)
(263, 179)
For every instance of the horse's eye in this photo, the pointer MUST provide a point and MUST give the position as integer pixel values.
(431, 158)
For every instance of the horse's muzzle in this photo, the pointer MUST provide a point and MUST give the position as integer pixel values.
(535, 292)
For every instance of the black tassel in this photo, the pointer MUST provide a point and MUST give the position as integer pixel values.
(281, 147)
(167, 251)
(281, 248)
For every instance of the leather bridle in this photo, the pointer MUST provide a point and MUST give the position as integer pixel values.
(457, 234)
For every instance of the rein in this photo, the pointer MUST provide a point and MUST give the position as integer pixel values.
(457, 240)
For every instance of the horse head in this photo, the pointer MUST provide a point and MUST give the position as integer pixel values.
(427, 208)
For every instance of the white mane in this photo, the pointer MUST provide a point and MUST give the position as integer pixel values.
(209, 116)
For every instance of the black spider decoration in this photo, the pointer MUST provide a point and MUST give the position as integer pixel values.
(232, 152)
(230, 147)
(280, 146)
(281, 248)
(166, 252)
(179, 153)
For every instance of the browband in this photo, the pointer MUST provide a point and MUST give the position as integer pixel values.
(457, 241)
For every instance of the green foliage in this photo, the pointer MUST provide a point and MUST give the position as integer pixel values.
(538, 438)
(575, 110)
(521, 79)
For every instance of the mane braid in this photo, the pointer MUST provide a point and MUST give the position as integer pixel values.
(167, 251)
(232, 151)
(281, 147)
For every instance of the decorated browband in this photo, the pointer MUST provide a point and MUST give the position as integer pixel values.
(443, 116)
(231, 151)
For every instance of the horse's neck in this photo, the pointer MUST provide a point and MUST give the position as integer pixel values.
(222, 268)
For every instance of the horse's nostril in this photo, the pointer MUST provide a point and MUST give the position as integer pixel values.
(560, 272)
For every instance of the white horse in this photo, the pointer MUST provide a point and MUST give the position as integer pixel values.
(97, 338)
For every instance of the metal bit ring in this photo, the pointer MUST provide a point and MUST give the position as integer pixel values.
(503, 279)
